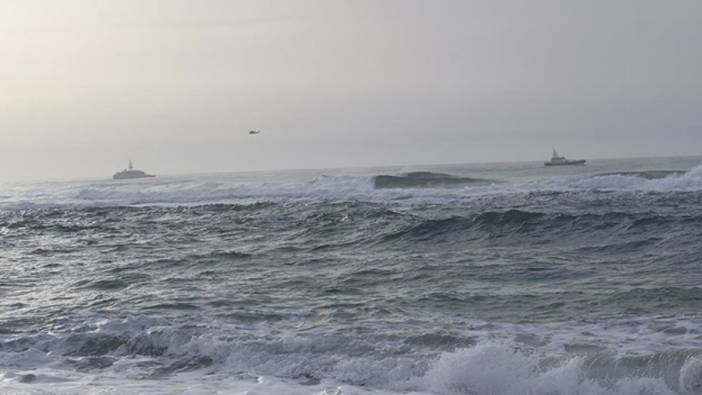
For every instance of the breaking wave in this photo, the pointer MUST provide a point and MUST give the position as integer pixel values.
(414, 186)
(499, 369)
(647, 174)
(152, 348)
(649, 181)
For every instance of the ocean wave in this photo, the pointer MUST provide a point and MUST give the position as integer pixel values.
(645, 174)
(329, 226)
(410, 187)
(496, 368)
(632, 227)
(650, 181)
(154, 348)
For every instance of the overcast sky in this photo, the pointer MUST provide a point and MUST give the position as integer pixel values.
(176, 85)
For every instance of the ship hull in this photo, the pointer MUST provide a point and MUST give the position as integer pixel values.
(566, 163)
(131, 176)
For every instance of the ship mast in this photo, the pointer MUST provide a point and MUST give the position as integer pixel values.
(131, 166)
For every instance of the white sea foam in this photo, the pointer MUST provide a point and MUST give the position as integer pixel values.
(188, 383)
(487, 369)
(498, 369)
(342, 187)
(295, 365)
(688, 181)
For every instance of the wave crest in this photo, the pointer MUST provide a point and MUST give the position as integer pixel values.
(155, 348)
(423, 187)
(500, 369)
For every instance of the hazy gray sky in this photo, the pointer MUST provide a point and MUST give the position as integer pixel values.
(175, 85)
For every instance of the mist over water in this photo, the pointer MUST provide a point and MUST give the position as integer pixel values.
(458, 279)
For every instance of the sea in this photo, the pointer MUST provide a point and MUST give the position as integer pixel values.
(479, 279)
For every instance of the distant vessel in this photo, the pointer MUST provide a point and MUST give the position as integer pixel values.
(129, 173)
(559, 160)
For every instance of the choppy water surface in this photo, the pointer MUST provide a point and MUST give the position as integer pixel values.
(474, 279)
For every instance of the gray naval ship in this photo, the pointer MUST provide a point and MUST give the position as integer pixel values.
(560, 160)
(129, 173)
